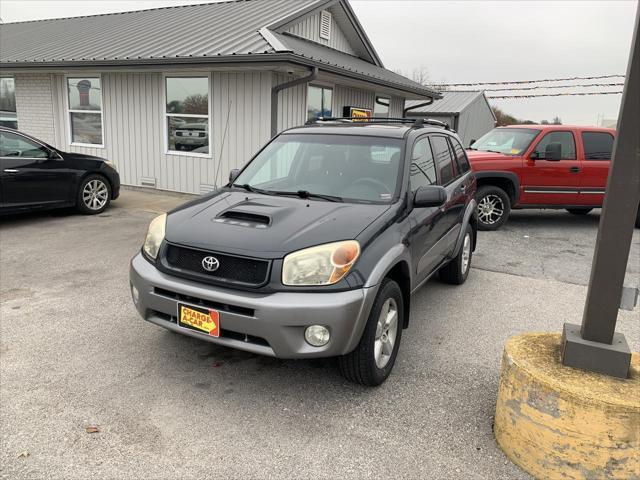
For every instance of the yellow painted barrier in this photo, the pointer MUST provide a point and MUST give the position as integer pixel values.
(557, 422)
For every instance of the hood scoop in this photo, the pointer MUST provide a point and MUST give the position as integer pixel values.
(244, 219)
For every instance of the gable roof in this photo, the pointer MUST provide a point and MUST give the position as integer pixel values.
(451, 103)
(229, 31)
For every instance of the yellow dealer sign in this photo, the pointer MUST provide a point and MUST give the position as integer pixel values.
(357, 113)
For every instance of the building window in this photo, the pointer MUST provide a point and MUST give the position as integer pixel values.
(8, 116)
(85, 110)
(319, 102)
(381, 107)
(187, 114)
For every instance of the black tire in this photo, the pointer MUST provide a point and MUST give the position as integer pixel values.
(579, 211)
(360, 366)
(488, 218)
(91, 204)
(638, 217)
(457, 270)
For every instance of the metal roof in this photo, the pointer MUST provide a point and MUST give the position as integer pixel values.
(233, 31)
(451, 103)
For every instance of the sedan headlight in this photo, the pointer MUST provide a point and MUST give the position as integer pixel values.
(322, 265)
(111, 164)
(155, 235)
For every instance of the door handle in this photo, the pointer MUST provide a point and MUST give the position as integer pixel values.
(10, 170)
(574, 169)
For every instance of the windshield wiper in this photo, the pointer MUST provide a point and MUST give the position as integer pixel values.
(307, 194)
(251, 189)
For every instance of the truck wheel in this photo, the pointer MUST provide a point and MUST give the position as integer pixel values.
(94, 195)
(579, 211)
(373, 359)
(457, 270)
(494, 207)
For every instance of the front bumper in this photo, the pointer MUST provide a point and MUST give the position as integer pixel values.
(270, 324)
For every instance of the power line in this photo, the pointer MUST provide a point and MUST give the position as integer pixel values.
(526, 81)
(537, 87)
(564, 94)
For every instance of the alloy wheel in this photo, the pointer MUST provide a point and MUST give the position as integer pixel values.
(490, 209)
(386, 332)
(466, 253)
(95, 194)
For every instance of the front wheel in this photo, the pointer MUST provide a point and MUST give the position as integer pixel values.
(94, 195)
(457, 270)
(494, 207)
(373, 359)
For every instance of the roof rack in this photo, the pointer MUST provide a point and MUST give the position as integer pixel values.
(414, 122)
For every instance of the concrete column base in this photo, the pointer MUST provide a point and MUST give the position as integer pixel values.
(559, 422)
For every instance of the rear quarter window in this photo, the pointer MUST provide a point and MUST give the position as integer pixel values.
(597, 145)
(444, 162)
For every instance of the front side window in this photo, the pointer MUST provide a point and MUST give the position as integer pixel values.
(566, 141)
(353, 168)
(510, 141)
(423, 169)
(8, 115)
(461, 157)
(85, 110)
(14, 145)
(444, 161)
(187, 114)
(319, 102)
(597, 145)
(381, 107)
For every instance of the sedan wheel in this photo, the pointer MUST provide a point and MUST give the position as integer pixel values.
(94, 195)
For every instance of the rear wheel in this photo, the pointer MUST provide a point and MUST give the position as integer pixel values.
(373, 359)
(579, 211)
(94, 195)
(494, 207)
(457, 270)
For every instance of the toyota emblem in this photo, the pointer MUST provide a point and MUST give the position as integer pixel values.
(210, 264)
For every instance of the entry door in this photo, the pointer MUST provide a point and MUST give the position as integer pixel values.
(552, 182)
(27, 174)
(596, 159)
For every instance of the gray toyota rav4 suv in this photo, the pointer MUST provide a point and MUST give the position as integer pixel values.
(315, 247)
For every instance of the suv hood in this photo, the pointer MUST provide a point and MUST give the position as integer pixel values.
(480, 156)
(266, 226)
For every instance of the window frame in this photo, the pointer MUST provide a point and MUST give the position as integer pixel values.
(454, 170)
(208, 116)
(550, 132)
(12, 77)
(435, 168)
(27, 138)
(375, 102)
(321, 87)
(69, 110)
(584, 150)
(458, 168)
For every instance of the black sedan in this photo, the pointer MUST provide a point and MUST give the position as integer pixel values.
(34, 175)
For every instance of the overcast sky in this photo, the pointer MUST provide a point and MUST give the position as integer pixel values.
(466, 42)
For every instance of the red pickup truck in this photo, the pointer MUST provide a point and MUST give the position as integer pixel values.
(540, 166)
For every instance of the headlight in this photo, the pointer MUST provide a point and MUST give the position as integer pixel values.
(111, 164)
(155, 235)
(322, 265)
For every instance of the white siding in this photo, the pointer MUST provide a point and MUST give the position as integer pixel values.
(34, 105)
(134, 130)
(292, 103)
(309, 28)
(474, 121)
(352, 97)
(396, 108)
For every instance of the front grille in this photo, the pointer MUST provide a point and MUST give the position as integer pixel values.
(231, 269)
(224, 307)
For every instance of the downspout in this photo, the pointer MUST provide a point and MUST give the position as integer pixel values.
(419, 105)
(313, 74)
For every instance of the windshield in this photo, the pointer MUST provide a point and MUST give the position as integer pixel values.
(348, 167)
(511, 141)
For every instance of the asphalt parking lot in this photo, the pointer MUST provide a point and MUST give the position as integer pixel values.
(74, 354)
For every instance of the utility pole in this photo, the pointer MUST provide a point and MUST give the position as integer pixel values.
(595, 345)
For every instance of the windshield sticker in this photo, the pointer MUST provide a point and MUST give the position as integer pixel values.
(515, 151)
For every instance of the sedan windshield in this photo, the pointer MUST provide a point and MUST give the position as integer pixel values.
(510, 141)
(326, 167)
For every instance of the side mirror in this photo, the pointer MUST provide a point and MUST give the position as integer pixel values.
(553, 152)
(472, 141)
(53, 155)
(233, 174)
(431, 196)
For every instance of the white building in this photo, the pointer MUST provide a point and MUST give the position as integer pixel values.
(179, 96)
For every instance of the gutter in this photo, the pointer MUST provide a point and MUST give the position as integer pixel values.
(313, 74)
(418, 105)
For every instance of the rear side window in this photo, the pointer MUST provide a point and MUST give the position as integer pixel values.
(597, 145)
(444, 162)
(423, 169)
(566, 141)
(461, 157)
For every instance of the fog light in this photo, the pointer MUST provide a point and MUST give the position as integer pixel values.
(317, 335)
(134, 294)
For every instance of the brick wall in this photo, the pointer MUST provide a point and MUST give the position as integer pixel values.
(34, 105)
